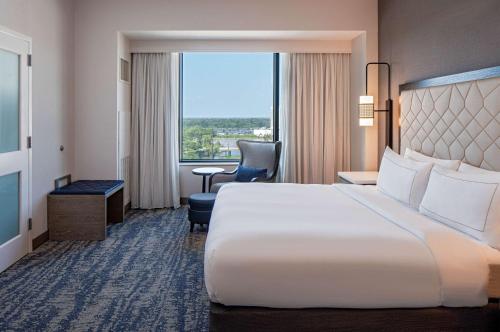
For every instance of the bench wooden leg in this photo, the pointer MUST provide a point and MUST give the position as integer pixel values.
(115, 208)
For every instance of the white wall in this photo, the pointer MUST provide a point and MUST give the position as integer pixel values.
(75, 67)
(364, 140)
(99, 21)
(124, 115)
(50, 24)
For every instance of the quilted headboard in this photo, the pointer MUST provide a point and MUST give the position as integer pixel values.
(454, 117)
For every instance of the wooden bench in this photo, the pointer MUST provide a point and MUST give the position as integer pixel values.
(82, 209)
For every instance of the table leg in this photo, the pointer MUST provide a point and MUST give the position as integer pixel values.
(203, 188)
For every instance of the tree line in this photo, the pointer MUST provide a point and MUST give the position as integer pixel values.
(243, 123)
(200, 135)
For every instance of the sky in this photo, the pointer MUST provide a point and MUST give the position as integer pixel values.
(227, 85)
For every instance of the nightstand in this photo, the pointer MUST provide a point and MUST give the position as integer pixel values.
(367, 178)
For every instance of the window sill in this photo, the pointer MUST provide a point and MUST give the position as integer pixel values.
(207, 163)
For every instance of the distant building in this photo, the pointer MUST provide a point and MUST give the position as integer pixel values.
(262, 132)
(232, 131)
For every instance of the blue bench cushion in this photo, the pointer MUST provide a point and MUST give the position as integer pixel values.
(202, 201)
(88, 187)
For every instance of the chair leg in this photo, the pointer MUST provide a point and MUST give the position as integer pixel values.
(191, 227)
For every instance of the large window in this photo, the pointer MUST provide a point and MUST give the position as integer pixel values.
(226, 97)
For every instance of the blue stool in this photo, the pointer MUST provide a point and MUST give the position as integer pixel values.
(200, 208)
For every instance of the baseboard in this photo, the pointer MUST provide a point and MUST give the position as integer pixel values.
(128, 207)
(40, 239)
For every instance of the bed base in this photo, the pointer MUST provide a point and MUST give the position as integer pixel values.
(250, 319)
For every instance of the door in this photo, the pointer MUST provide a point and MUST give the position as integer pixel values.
(14, 152)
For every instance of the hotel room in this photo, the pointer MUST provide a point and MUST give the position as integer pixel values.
(231, 165)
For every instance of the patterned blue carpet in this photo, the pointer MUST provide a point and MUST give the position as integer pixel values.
(146, 276)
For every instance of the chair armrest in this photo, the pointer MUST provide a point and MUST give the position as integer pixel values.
(262, 180)
(222, 177)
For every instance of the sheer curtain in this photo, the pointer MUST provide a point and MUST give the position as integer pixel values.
(155, 128)
(314, 117)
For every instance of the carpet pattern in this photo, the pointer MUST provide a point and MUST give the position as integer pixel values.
(146, 276)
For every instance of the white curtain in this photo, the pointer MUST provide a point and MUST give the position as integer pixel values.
(314, 117)
(155, 128)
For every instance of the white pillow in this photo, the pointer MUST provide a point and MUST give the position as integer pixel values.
(449, 164)
(465, 201)
(403, 179)
(466, 168)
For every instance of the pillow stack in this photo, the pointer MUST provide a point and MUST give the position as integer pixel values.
(466, 168)
(448, 164)
(403, 179)
(468, 202)
(458, 195)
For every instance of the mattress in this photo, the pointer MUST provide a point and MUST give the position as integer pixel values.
(336, 246)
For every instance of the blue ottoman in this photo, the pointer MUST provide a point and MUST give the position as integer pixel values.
(200, 208)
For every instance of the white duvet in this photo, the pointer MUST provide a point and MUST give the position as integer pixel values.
(345, 246)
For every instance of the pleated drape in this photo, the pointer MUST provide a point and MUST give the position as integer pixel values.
(155, 131)
(314, 117)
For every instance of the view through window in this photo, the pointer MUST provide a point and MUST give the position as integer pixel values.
(225, 97)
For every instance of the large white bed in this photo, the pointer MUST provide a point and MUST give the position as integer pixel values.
(347, 246)
(420, 250)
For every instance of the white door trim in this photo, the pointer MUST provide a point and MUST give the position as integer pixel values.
(28, 40)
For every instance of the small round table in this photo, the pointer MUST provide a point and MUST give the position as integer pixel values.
(206, 171)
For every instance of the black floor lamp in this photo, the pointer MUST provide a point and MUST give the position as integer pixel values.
(367, 109)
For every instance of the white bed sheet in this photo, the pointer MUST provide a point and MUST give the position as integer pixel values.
(344, 246)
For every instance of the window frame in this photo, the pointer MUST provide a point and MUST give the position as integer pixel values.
(275, 115)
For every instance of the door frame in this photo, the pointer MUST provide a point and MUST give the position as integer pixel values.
(11, 33)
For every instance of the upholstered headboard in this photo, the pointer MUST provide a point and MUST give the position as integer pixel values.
(454, 117)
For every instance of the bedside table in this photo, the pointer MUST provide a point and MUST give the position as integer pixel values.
(367, 178)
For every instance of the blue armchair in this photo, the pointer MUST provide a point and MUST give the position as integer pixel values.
(255, 154)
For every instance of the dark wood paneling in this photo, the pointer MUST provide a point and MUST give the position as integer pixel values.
(40, 239)
(480, 74)
(431, 38)
(77, 217)
(247, 319)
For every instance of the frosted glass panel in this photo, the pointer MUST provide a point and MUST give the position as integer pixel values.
(9, 101)
(9, 207)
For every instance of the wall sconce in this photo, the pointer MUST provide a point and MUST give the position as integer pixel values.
(367, 108)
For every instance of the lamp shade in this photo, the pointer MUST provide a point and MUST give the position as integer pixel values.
(366, 100)
(366, 111)
(365, 122)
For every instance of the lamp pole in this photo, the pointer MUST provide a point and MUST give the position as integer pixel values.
(388, 103)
